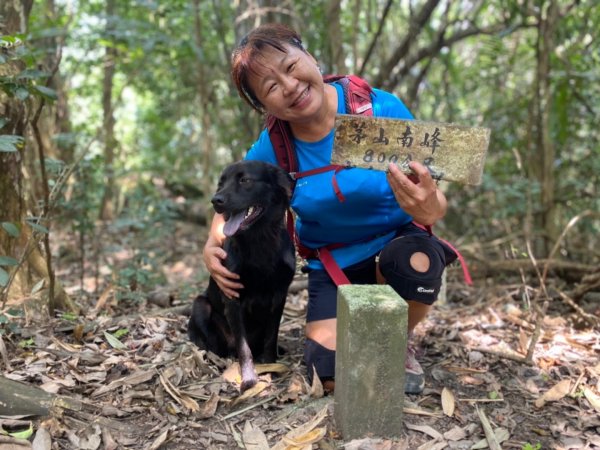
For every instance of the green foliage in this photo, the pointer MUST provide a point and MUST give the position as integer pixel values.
(10, 143)
(27, 81)
(172, 72)
(528, 446)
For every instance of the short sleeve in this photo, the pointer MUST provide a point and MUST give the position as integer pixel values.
(262, 149)
(386, 104)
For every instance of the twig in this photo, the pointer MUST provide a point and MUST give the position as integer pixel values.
(537, 331)
(589, 318)
(248, 408)
(487, 429)
(481, 400)
(570, 225)
(502, 354)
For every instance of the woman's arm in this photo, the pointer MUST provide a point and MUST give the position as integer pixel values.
(213, 255)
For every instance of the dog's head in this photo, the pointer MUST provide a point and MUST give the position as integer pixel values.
(251, 192)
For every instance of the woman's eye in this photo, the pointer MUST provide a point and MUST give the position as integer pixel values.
(291, 67)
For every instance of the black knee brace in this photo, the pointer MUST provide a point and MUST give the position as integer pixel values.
(410, 284)
(319, 358)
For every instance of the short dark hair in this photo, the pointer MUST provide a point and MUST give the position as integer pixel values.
(269, 35)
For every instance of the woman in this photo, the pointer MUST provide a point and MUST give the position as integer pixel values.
(277, 76)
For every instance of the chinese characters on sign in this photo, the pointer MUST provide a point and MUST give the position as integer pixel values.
(405, 141)
(451, 152)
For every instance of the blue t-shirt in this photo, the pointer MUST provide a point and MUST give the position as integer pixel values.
(368, 217)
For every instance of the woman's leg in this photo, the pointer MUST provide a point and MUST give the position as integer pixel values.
(321, 322)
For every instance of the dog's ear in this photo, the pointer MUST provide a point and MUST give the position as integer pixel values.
(283, 180)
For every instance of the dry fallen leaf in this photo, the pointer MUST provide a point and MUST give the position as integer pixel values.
(500, 435)
(425, 429)
(181, 398)
(448, 403)
(274, 368)
(209, 407)
(252, 392)
(254, 438)
(232, 374)
(316, 389)
(555, 393)
(592, 398)
(434, 444)
(307, 439)
(455, 434)
(301, 430)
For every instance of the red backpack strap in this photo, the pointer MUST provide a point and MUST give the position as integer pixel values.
(281, 138)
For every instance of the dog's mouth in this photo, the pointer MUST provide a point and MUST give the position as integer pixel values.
(242, 220)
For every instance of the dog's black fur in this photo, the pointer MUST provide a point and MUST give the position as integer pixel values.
(260, 250)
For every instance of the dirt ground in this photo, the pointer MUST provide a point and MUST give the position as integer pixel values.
(141, 385)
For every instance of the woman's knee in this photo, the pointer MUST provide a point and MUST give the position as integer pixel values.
(323, 332)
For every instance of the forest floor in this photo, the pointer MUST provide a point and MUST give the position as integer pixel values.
(144, 386)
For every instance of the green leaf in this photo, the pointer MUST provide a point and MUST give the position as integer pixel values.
(493, 395)
(25, 434)
(26, 343)
(120, 332)
(38, 227)
(10, 142)
(3, 121)
(31, 74)
(11, 229)
(3, 277)
(46, 92)
(22, 93)
(38, 286)
(8, 261)
(114, 342)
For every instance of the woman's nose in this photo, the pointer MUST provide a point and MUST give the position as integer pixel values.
(289, 84)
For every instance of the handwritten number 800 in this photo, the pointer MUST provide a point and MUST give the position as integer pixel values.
(381, 157)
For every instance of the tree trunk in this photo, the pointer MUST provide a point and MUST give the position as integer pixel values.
(15, 16)
(12, 110)
(107, 208)
(337, 56)
(543, 151)
(204, 99)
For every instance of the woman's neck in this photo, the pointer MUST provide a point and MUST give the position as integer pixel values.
(322, 123)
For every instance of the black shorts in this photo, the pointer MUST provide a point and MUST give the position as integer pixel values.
(394, 264)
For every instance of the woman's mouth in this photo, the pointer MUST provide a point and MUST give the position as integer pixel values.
(301, 98)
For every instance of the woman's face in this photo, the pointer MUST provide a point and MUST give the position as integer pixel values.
(289, 85)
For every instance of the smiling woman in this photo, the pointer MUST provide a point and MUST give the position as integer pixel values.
(278, 77)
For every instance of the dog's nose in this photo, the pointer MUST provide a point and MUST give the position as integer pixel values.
(218, 201)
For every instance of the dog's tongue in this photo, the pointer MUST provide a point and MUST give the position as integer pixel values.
(234, 222)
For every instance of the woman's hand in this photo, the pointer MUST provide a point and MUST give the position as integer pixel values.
(417, 194)
(214, 255)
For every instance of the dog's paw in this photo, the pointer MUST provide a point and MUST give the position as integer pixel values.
(247, 384)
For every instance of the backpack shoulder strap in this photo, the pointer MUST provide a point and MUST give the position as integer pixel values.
(357, 93)
(281, 138)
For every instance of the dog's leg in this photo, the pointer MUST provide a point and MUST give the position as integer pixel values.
(234, 313)
(269, 351)
(198, 324)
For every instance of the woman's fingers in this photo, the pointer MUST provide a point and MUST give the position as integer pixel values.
(416, 193)
(225, 279)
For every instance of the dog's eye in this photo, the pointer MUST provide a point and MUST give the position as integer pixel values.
(245, 180)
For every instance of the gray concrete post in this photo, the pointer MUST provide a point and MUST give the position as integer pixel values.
(370, 355)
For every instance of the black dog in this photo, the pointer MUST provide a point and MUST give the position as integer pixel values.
(253, 197)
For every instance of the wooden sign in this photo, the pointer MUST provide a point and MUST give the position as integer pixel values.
(450, 152)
